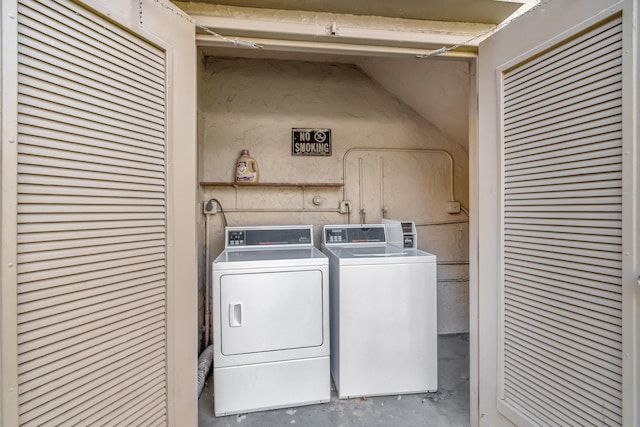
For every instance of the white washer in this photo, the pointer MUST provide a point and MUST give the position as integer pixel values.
(270, 320)
(383, 313)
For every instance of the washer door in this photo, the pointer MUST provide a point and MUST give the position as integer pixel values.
(263, 312)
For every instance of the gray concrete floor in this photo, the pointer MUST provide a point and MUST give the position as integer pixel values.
(449, 407)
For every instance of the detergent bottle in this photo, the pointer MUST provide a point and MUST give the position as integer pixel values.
(246, 168)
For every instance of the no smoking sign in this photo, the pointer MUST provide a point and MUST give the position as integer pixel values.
(310, 142)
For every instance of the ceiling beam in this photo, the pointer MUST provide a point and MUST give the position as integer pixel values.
(279, 30)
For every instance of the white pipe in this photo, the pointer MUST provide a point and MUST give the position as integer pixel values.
(457, 221)
(360, 190)
(335, 48)
(207, 291)
(405, 150)
(384, 209)
(284, 210)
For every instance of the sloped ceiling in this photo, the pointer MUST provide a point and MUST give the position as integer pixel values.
(437, 89)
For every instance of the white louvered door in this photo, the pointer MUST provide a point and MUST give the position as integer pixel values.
(91, 266)
(557, 253)
(562, 232)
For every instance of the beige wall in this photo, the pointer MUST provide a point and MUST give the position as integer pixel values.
(254, 104)
(437, 90)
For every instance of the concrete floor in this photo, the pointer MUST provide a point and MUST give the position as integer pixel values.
(449, 407)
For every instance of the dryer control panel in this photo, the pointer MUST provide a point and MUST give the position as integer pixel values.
(260, 237)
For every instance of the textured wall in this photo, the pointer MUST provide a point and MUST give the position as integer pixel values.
(437, 90)
(254, 104)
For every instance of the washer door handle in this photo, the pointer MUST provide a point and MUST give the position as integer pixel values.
(235, 314)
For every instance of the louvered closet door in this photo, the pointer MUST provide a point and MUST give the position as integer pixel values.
(91, 221)
(562, 232)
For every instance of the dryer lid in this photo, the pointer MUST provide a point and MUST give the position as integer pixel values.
(269, 257)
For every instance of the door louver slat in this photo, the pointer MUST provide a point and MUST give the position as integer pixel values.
(84, 373)
(35, 368)
(60, 352)
(546, 409)
(575, 407)
(599, 64)
(559, 114)
(588, 288)
(78, 242)
(604, 363)
(603, 325)
(588, 135)
(119, 170)
(561, 234)
(611, 243)
(38, 143)
(566, 268)
(591, 368)
(587, 374)
(550, 254)
(61, 323)
(118, 95)
(83, 47)
(594, 125)
(82, 102)
(53, 412)
(68, 309)
(568, 292)
(577, 154)
(597, 251)
(563, 327)
(563, 57)
(560, 279)
(53, 107)
(88, 277)
(139, 55)
(126, 408)
(565, 98)
(91, 220)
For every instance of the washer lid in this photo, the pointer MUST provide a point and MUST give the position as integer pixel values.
(384, 254)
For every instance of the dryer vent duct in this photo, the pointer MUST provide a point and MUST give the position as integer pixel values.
(204, 364)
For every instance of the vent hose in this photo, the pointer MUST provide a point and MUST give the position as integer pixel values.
(204, 364)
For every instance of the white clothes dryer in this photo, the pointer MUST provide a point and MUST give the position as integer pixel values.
(383, 313)
(270, 320)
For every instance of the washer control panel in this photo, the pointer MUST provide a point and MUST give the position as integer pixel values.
(354, 234)
(401, 233)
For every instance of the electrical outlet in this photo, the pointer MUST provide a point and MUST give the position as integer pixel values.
(453, 207)
(345, 206)
(208, 208)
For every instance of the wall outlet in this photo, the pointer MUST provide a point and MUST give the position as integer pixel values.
(345, 206)
(208, 208)
(453, 207)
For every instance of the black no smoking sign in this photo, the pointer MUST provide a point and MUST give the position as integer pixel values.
(310, 142)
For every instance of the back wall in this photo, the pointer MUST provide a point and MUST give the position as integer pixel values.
(385, 158)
